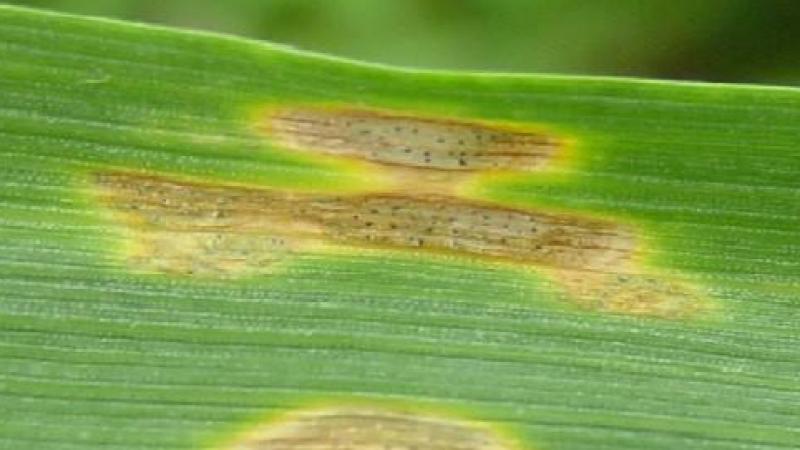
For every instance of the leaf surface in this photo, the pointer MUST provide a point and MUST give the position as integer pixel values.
(132, 317)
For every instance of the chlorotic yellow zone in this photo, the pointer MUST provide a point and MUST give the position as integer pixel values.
(232, 231)
(367, 428)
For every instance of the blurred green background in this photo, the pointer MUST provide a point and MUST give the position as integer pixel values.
(754, 41)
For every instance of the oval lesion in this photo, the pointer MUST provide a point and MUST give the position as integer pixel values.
(369, 429)
(417, 142)
(476, 229)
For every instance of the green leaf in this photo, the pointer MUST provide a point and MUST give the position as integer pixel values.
(181, 270)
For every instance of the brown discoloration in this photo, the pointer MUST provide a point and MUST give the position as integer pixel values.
(195, 229)
(369, 429)
(404, 140)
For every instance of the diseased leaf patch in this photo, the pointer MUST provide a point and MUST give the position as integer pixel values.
(228, 231)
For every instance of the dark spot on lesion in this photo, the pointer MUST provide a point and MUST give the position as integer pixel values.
(386, 131)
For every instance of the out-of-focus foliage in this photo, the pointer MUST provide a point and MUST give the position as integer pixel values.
(715, 40)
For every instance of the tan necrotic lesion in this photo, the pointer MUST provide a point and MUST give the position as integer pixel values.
(230, 231)
(404, 140)
(369, 429)
(254, 226)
